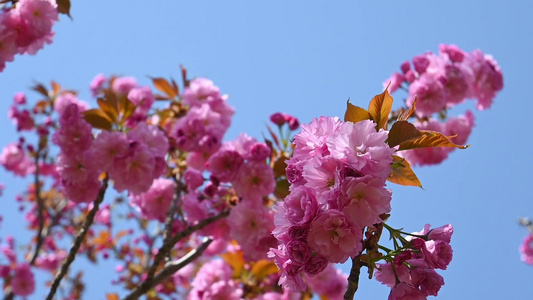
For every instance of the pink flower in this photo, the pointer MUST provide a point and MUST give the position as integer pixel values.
(488, 78)
(193, 179)
(386, 275)
(333, 235)
(107, 146)
(526, 250)
(155, 202)
(461, 127)
(291, 278)
(430, 94)
(457, 81)
(142, 97)
(364, 199)
(199, 91)
(23, 282)
(421, 63)
(277, 118)
(134, 171)
(22, 119)
(74, 134)
(14, 159)
(316, 264)
(395, 82)
(225, 164)
(151, 136)
(123, 85)
(76, 168)
(323, 175)
(311, 141)
(362, 148)
(454, 53)
(298, 251)
(65, 99)
(330, 283)
(19, 98)
(437, 254)
(259, 152)
(96, 84)
(83, 192)
(427, 280)
(251, 225)
(443, 233)
(254, 181)
(300, 206)
(404, 291)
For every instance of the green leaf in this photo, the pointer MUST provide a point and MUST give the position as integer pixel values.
(402, 174)
(355, 114)
(379, 108)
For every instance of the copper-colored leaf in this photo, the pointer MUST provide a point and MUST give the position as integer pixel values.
(279, 166)
(108, 108)
(406, 114)
(355, 114)
(126, 107)
(235, 260)
(159, 97)
(113, 296)
(63, 7)
(41, 89)
(97, 118)
(402, 174)
(430, 139)
(379, 108)
(402, 131)
(55, 87)
(164, 86)
(274, 137)
(282, 188)
(263, 268)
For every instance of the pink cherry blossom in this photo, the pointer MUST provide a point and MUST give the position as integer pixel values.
(23, 282)
(488, 78)
(154, 203)
(404, 291)
(123, 85)
(461, 127)
(330, 283)
(427, 280)
(254, 181)
(430, 95)
(97, 84)
(107, 146)
(311, 141)
(15, 160)
(526, 250)
(225, 164)
(333, 235)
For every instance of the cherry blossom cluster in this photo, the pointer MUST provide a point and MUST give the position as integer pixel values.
(337, 175)
(411, 272)
(25, 28)
(19, 274)
(526, 249)
(440, 81)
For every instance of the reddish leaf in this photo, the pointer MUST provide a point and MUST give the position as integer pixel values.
(280, 166)
(430, 139)
(355, 114)
(97, 118)
(402, 174)
(405, 115)
(55, 87)
(164, 86)
(402, 131)
(159, 97)
(63, 7)
(126, 107)
(108, 108)
(40, 89)
(379, 108)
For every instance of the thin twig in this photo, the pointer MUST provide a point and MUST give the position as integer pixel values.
(526, 223)
(170, 268)
(78, 241)
(40, 208)
(353, 279)
(167, 245)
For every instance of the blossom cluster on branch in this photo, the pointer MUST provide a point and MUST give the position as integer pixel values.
(210, 218)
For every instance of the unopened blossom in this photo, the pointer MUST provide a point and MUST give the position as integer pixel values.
(526, 250)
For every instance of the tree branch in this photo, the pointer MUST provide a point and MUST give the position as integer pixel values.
(170, 268)
(170, 242)
(78, 241)
(353, 279)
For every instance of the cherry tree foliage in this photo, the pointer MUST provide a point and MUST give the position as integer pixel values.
(145, 177)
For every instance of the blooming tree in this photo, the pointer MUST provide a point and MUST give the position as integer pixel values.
(146, 178)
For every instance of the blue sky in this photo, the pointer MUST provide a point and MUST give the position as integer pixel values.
(306, 58)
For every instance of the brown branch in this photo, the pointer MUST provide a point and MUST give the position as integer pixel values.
(40, 208)
(170, 268)
(77, 241)
(353, 279)
(526, 223)
(170, 242)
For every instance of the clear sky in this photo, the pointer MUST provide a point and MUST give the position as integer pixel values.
(306, 58)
